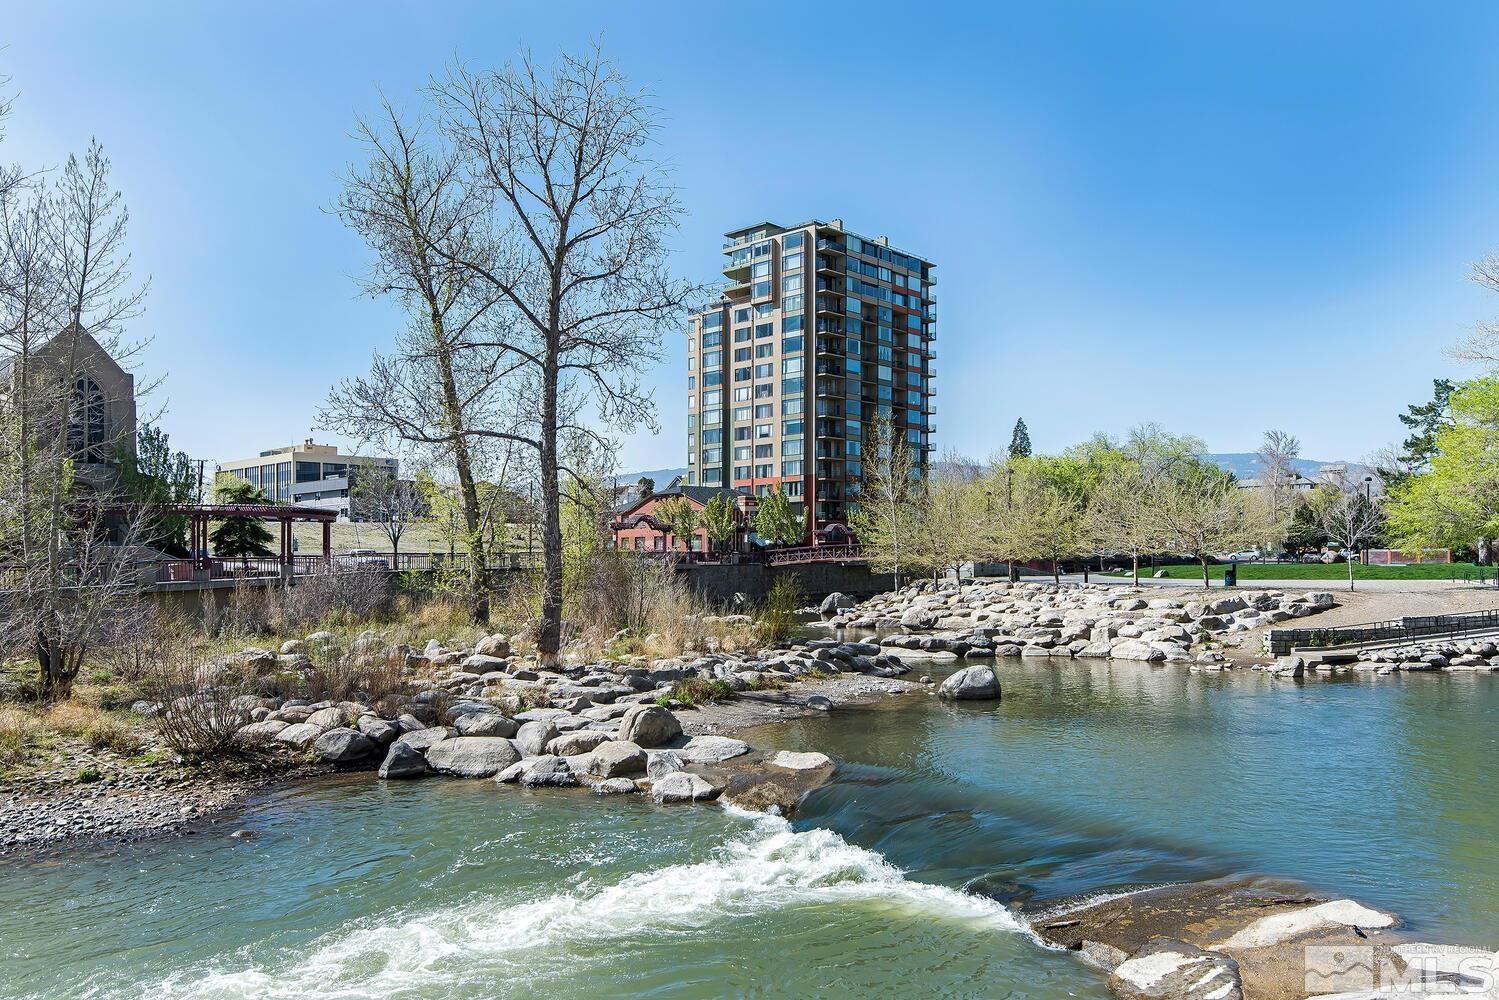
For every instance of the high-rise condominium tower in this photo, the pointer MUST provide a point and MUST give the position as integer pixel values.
(819, 333)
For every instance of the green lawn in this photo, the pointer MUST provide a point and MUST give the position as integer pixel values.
(1333, 571)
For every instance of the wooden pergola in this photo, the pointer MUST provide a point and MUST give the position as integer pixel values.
(199, 515)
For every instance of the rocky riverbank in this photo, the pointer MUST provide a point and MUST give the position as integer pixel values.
(996, 619)
(487, 713)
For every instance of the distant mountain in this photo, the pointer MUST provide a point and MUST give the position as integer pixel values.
(659, 476)
(1245, 465)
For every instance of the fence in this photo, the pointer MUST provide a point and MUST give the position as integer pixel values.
(1410, 629)
(1395, 557)
(816, 553)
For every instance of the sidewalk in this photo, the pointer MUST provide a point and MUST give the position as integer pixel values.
(1336, 586)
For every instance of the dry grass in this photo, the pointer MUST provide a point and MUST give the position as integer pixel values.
(27, 735)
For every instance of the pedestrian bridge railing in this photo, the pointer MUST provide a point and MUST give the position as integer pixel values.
(1395, 631)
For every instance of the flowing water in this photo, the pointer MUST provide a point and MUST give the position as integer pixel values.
(898, 879)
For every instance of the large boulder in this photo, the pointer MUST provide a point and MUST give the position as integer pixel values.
(712, 749)
(261, 732)
(616, 759)
(423, 739)
(682, 786)
(834, 603)
(660, 763)
(341, 745)
(485, 724)
(575, 743)
(649, 726)
(971, 684)
(403, 761)
(472, 756)
(302, 735)
(533, 737)
(493, 645)
(329, 718)
(808, 761)
(377, 729)
(1169, 969)
(918, 618)
(548, 771)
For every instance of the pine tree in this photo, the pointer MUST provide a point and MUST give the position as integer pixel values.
(1020, 441)
(239, 536)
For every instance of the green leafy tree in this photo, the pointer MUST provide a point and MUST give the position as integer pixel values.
(1020, 440)
(238, 536)
(1041, 516)
(154, 477)
(680, 516)
(952, 522)
(721, 520)
(1455, 503)
(1203, 510)
(777, 520)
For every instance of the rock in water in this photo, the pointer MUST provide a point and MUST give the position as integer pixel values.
(971, 684)
(801, 761)
(712, 749)
(684, 787)
(338, 746)
(548, 771)
(403, 761)
(1168, 969)
(616, 759)
(472, 756)
(532, 737)
(649, 726)
(615, 786)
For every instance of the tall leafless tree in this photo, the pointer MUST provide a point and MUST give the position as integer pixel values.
(65, 287)
(564, 220)
(409, 204)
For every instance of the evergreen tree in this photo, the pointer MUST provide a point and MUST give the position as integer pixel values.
(1020, 440)
(239, 536)
(155, 476)
(1426, 420)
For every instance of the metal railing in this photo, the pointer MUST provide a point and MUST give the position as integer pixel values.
(1395, 630)
(815, 553)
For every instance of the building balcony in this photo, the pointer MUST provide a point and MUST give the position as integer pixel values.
(824, 243)
(833, 306)
(829, 387)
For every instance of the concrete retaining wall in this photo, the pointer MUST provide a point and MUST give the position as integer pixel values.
(719, 584)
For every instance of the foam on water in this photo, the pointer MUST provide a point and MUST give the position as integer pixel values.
(767, 867)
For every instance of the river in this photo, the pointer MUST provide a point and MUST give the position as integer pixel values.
(896, 879)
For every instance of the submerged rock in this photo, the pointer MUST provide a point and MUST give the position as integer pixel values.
(682, 786)
(403, 761)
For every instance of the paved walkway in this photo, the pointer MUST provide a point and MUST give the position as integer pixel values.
(1336, 586)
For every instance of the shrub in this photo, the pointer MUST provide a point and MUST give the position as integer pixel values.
(777, 613)
(334, 596)
(21, 736)
(700, 691)
(199, 723)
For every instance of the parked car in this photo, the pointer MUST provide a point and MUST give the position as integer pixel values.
(363, 559)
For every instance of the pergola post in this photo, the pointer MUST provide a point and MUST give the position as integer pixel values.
(286, 541)
(327, 541)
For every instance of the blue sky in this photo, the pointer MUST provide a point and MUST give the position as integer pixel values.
(1219, 218)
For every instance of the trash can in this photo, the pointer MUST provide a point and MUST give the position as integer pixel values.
(1231, 575)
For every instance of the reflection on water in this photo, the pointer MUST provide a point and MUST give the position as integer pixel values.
(894, 879)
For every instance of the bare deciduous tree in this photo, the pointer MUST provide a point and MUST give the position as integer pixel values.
(393, 504)
(1348, 512)
(1204, 511)
(432, 391)
(1482, 346)
(65, 293)
(889, 513)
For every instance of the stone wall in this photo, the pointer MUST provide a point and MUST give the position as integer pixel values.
(719, 584)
